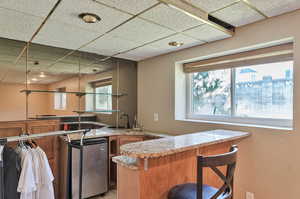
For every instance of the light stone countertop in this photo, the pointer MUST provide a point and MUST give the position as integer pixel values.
(175, 144)
(107, 132)
(126, 161)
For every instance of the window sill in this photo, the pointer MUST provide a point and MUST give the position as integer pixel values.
(237, 124)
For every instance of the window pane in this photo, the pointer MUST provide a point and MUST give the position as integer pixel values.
(265, 91)
(63, 101)
(211, 92)
(104, 102)
(60, 101)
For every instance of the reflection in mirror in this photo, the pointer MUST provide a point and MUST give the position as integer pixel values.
(47, 71)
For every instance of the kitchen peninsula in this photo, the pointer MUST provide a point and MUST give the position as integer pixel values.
(151, 165)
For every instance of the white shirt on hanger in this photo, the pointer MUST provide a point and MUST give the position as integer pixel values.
(45, 186)
(27, 184)
(36, 170)
(36, 178)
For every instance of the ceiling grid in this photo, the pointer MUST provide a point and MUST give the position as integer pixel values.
(132, 29)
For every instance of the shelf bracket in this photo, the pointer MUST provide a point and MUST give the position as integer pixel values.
(80, 94)
(26, 91)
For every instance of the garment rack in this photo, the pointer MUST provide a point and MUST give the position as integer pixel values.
(5, 140)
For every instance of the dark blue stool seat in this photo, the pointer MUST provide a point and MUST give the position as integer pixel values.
(189, 191)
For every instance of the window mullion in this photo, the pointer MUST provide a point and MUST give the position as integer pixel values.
(232, 92)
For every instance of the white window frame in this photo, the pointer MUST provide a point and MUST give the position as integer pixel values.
(232, 119)
(61, 104)
(95, 108)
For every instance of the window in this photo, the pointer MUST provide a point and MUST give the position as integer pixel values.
(253, 94)
(60, 99)
(211, 92)
(103, 102)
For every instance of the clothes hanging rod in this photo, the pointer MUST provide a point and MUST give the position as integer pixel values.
(39, 135)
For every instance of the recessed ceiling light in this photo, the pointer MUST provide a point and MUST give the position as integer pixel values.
(34, 79)
(95, 70)
(89, 17)
(42, 74)
(175, 43)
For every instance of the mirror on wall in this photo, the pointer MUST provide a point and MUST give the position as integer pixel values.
(64, 71)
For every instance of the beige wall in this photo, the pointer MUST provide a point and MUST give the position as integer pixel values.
(13, 103)
(269, 161)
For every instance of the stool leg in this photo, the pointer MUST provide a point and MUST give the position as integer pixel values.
(199, 177)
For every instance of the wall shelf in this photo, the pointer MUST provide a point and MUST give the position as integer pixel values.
(77, 93)
(98, 111)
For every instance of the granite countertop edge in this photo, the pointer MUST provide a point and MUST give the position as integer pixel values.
(147, 149)
(108, 132)
(126, 161)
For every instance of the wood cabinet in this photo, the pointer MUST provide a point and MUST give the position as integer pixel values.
(48, 144)
(115, 142)
(165, 172)
(129, 139)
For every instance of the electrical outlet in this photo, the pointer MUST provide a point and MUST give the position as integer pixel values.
(249, 195)
(155, 117)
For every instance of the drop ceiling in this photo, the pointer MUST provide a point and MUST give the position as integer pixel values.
(14, 72)
(129, 29)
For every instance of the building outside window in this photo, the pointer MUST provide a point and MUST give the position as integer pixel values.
(252, 87)
(255, 92)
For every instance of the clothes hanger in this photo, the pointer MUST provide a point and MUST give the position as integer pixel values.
(30, 142)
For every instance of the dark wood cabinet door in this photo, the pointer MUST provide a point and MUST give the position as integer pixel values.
(49, 144)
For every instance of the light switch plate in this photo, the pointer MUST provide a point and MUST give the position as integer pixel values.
(155, 117)
(249, 195)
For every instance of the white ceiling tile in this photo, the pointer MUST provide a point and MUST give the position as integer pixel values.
(238, 14)
(211, 5)
(276, 7)
(109, 45)
(16, 25)
(69, 10)
(171, 18)
(163, 45)
(130, 57)
(141, 31)
(63, 69)
(145, 51)
(38, 8)
(131, 6)
(140, 53)
(63, 35)
(206, 33)
(159, 47)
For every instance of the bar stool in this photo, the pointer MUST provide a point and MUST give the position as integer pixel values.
(201, 191)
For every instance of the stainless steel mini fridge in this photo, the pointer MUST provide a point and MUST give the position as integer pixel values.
(94, 168)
